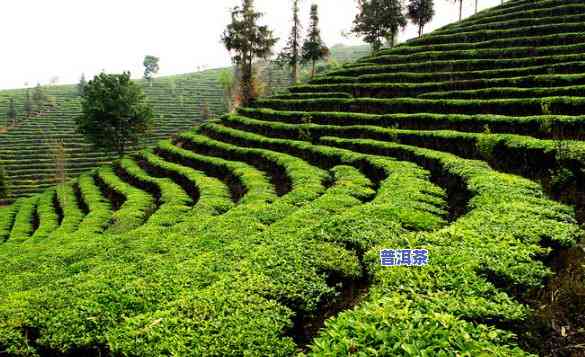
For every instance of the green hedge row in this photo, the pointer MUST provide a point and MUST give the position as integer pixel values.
(47, 215)
(562, 68)
(490, 53)
(515, 107)
(508, 92)
(529, 157)
(485, 35)
(529, 10)
(172, 201)
(562, 14)
(409, 310)
(535, 41)
(541, 126)
(390, 90)
(23, 227)
(138, 205)
(73, 215)
(100, 208)
(253, 185)
(7, 216)
(311, 95)
(460, 65)
(210, 195)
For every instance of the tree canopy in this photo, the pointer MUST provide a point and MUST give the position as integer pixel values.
(151, 67)
(421, 12)
(114, 112)
(246, 40)
(379, 20)
(314, 48)
(291, 53)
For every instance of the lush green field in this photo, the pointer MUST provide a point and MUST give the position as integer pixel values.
(243, 235)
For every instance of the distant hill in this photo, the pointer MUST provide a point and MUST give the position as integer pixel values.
(27, 150)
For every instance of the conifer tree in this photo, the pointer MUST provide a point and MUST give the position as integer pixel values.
(421, 12)
(314, 49)
(81, 85)
(291, 53)
(28, 104)
(39, 97)
(247, 40)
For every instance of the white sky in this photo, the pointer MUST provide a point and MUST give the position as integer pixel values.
(64, 38)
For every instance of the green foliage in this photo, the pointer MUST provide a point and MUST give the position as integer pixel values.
(247, 40)
(81, 85)
(226, 79)
(115, 112)
(420, 12)
(225, 239)
(379, 20)
(39, 97)
(151, 67)
(291, 53)
(28, 104)
(314, 49)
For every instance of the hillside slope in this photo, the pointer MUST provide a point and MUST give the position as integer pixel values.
(243, 235)
(28, 150)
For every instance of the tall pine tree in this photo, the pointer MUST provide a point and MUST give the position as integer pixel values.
(314, 49)
(421, 12)
(28, 104)
(81, 85)
(379, 20)
(291, 53)
(247, 40)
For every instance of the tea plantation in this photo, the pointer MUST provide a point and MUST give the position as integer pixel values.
(241, 236)
(29, 150)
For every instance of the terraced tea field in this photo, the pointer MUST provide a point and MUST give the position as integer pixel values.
(28, 150)
(243, 235)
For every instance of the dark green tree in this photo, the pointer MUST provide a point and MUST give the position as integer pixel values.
(421, 12)
(247, 40)
(150, 67)
(314, 48)
(12, 112)
(39, 97)
(81, 85)
(115, 112)
(379, 20)
(28, 104)
(291, 53)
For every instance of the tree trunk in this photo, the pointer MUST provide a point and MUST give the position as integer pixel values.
(420, 29)
(476, 5)
(460, 10)
(295, 74)
(313, 70)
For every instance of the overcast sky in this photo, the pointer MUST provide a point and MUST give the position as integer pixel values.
(42, 39)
